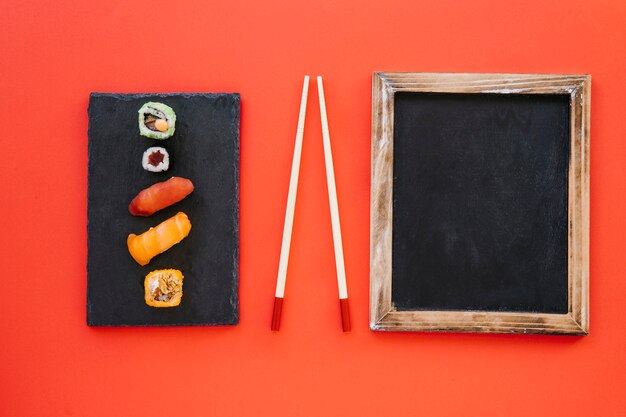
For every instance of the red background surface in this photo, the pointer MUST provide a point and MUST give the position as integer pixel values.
(53, 53)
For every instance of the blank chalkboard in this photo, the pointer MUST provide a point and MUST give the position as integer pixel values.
(479, 205)
(480, 202)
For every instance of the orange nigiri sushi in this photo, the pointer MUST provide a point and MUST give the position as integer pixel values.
(158, 239)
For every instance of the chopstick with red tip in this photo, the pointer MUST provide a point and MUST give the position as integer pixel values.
(291, 204)
(334, 213)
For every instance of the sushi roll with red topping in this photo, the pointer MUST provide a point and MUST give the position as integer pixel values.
(155, 159)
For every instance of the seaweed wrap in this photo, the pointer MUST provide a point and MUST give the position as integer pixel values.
(156, 120)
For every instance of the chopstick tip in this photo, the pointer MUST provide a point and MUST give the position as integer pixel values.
(278, 308)
(345, 315)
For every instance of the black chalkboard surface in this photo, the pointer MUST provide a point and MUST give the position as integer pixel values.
(204, 149)
(480, 202)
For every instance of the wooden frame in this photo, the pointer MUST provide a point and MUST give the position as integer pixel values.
(383, 314)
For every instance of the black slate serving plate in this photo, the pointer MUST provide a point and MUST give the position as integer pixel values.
(205, 149)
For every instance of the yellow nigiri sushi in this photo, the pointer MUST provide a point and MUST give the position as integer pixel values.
(158, 239)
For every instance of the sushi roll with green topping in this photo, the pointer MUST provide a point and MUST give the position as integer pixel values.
(156, 120)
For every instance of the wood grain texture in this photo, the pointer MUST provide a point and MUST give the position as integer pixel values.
(383, 314)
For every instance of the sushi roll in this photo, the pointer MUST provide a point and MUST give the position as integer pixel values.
(156, 120)
(163, 288)
(156, 159)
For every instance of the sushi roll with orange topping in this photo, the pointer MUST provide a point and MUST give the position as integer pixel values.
(163, 288)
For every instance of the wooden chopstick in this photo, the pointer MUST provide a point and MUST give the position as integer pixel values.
(334, 213)
(291, 204)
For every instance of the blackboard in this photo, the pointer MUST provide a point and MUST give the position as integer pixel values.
(480, 203)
